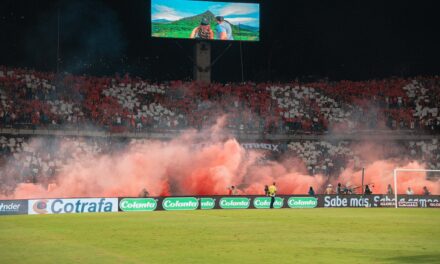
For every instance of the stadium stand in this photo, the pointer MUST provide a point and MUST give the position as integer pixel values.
(121, 104)
(38, 100)
(43, 157)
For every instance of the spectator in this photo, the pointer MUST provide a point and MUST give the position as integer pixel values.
(409, 191)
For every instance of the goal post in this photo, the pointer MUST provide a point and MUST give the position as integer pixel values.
(396, 170)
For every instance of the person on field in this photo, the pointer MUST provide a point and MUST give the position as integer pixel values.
(390, 190)
(339, 188)
(367, 190)
(266, 190)
(232, 190)
(311, 191)
(426, 191)
(329, 189)
(347, 190)
(272, 194)
(144, 193)
(223, 29)
(203, 31)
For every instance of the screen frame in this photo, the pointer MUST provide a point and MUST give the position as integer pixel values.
(208, 40)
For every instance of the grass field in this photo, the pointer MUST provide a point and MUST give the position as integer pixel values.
(225, 236)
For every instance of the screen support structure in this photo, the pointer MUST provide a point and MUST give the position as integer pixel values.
(202, 62)
(406, 170)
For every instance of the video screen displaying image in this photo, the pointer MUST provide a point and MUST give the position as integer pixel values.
(189, 19)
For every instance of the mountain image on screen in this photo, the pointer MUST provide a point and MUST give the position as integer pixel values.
(182, 28)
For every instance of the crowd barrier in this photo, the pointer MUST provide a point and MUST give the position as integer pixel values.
(179, 203)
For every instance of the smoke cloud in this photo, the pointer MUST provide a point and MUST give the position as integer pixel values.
(379, 174)
(203, 163)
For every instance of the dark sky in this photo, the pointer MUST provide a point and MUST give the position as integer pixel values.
(319, 38)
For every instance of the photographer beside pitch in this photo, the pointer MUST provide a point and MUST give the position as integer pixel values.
(272, 194)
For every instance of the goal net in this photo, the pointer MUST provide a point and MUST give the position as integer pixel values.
(413, 186)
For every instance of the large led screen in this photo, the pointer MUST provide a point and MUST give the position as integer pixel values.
(189, 19)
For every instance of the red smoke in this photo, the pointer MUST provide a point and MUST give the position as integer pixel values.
(202, 164)
(380, 173)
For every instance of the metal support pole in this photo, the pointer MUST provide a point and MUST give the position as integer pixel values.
(363, 174)
(395, 187)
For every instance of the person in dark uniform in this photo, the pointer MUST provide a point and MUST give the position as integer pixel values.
(339, 189)
(311, 191)
(367, 190)
(144, 193)
(426, 191)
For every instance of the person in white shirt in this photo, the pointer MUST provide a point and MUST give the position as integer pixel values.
(409, 191)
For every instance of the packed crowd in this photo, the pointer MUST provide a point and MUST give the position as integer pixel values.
(332, 158)
(426, 151)
(123, 103)
(322, 157)
(39, 159)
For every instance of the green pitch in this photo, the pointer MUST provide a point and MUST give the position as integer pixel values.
(225, 236)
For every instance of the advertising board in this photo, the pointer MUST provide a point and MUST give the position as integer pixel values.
(72, 206)
(138, 204)
(13, 207)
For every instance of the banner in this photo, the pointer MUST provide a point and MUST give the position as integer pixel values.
(213, 202)
(180, 203)
(138, 204)
(130, 204)
(264, 202)
(378, 201)
(207, 203)
(262, 146)
(281, 201)
(73, 206)
(234, 202)
(13, 207)
(302, 202)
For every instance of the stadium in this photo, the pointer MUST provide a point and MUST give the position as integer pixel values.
(177, 131)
